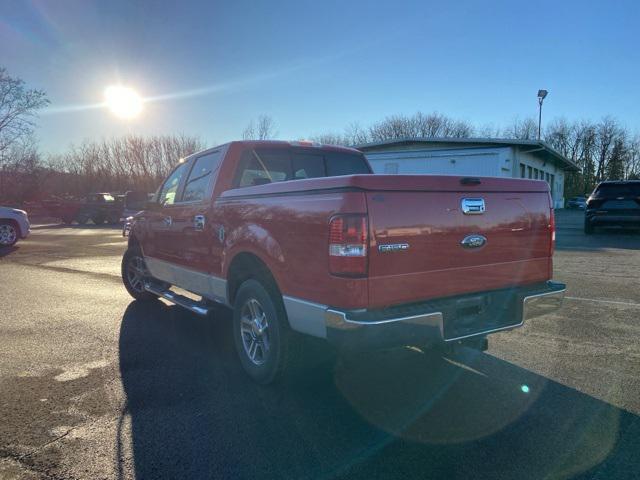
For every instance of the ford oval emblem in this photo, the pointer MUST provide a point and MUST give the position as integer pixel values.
(473, 241)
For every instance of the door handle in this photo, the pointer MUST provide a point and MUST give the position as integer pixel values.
(167, 221)
(198, 223)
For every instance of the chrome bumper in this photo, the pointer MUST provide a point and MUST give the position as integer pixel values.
(542, 303)
(429, 326)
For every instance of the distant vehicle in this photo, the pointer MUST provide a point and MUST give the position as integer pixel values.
(613, 204)
(579, 203)
(97, 207)
(134, 202)
(300, 238)
(14, 225)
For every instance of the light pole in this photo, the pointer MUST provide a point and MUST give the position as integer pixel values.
(541, 95)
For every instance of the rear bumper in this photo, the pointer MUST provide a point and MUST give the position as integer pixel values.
(441, 321)
(612, 218)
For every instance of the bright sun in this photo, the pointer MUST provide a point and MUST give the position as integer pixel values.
(123, 102)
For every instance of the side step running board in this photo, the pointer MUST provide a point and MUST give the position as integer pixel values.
(185, 302)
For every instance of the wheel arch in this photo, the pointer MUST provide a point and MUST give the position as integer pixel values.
(247, 265)
(15, 224)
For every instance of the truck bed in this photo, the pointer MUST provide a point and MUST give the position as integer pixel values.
(416, 226)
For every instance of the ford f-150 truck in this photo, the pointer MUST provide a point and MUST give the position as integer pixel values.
(300, 238)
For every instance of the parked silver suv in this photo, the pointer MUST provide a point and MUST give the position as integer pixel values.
(14, 224)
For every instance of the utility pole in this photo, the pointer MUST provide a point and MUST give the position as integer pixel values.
(541, 96)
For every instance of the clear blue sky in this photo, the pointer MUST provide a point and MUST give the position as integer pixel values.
(317, 66)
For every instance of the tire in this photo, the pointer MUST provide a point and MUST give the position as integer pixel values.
(67, 219)
(98, 219)
(588, 227)
(134, 281)
(266, 346)
(82, 218)
(9, 233)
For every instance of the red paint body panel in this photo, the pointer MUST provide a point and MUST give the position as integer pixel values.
(515, 224)
(290, 234)
(286, 224)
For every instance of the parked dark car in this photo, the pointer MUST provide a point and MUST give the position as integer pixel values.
(613, 204)
(579, 203)
(98, 207)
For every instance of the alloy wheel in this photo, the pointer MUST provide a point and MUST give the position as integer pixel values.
(8, 234)
(137, 273)
(254, 329)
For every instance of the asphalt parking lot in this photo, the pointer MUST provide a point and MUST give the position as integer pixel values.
(94, 385)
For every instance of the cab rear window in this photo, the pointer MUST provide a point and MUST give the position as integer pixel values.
(260, 166)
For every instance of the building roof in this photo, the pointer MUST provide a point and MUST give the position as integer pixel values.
(536, 146)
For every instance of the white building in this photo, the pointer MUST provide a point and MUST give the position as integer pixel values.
(472, 157)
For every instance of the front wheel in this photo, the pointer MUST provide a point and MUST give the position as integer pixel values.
(8, 234)
(135, 273)
(261, 334)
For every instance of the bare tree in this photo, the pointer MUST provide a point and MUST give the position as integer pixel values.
(433, 125)
(119, 164)
(526, 129)
(330, 138)
(263, 128)
(354, 134)
(18, 108)
(607, 132)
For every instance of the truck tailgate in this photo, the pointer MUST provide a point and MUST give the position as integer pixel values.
(416, 250)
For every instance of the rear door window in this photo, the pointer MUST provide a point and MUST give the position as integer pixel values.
(198, 186)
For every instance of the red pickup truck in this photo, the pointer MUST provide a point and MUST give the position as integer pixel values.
(300, 238)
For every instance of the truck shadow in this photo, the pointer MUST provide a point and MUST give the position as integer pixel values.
(397, 414)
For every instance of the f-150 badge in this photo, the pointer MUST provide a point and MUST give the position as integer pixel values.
(393, 247)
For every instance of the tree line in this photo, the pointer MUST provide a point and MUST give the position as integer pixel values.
(602, 150)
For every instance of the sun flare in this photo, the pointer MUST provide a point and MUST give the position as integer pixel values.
(124, 102)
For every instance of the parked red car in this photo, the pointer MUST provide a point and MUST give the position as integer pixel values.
(303, 239)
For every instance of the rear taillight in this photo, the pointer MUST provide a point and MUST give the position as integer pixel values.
(348, 245)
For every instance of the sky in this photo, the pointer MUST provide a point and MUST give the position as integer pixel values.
(207, 68)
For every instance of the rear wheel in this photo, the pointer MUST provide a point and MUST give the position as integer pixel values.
(82, 218)
(98, 219)
(135, 273)
(8, 233)
(265, 344)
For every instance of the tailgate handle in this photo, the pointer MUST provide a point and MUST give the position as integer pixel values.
(473, 206)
